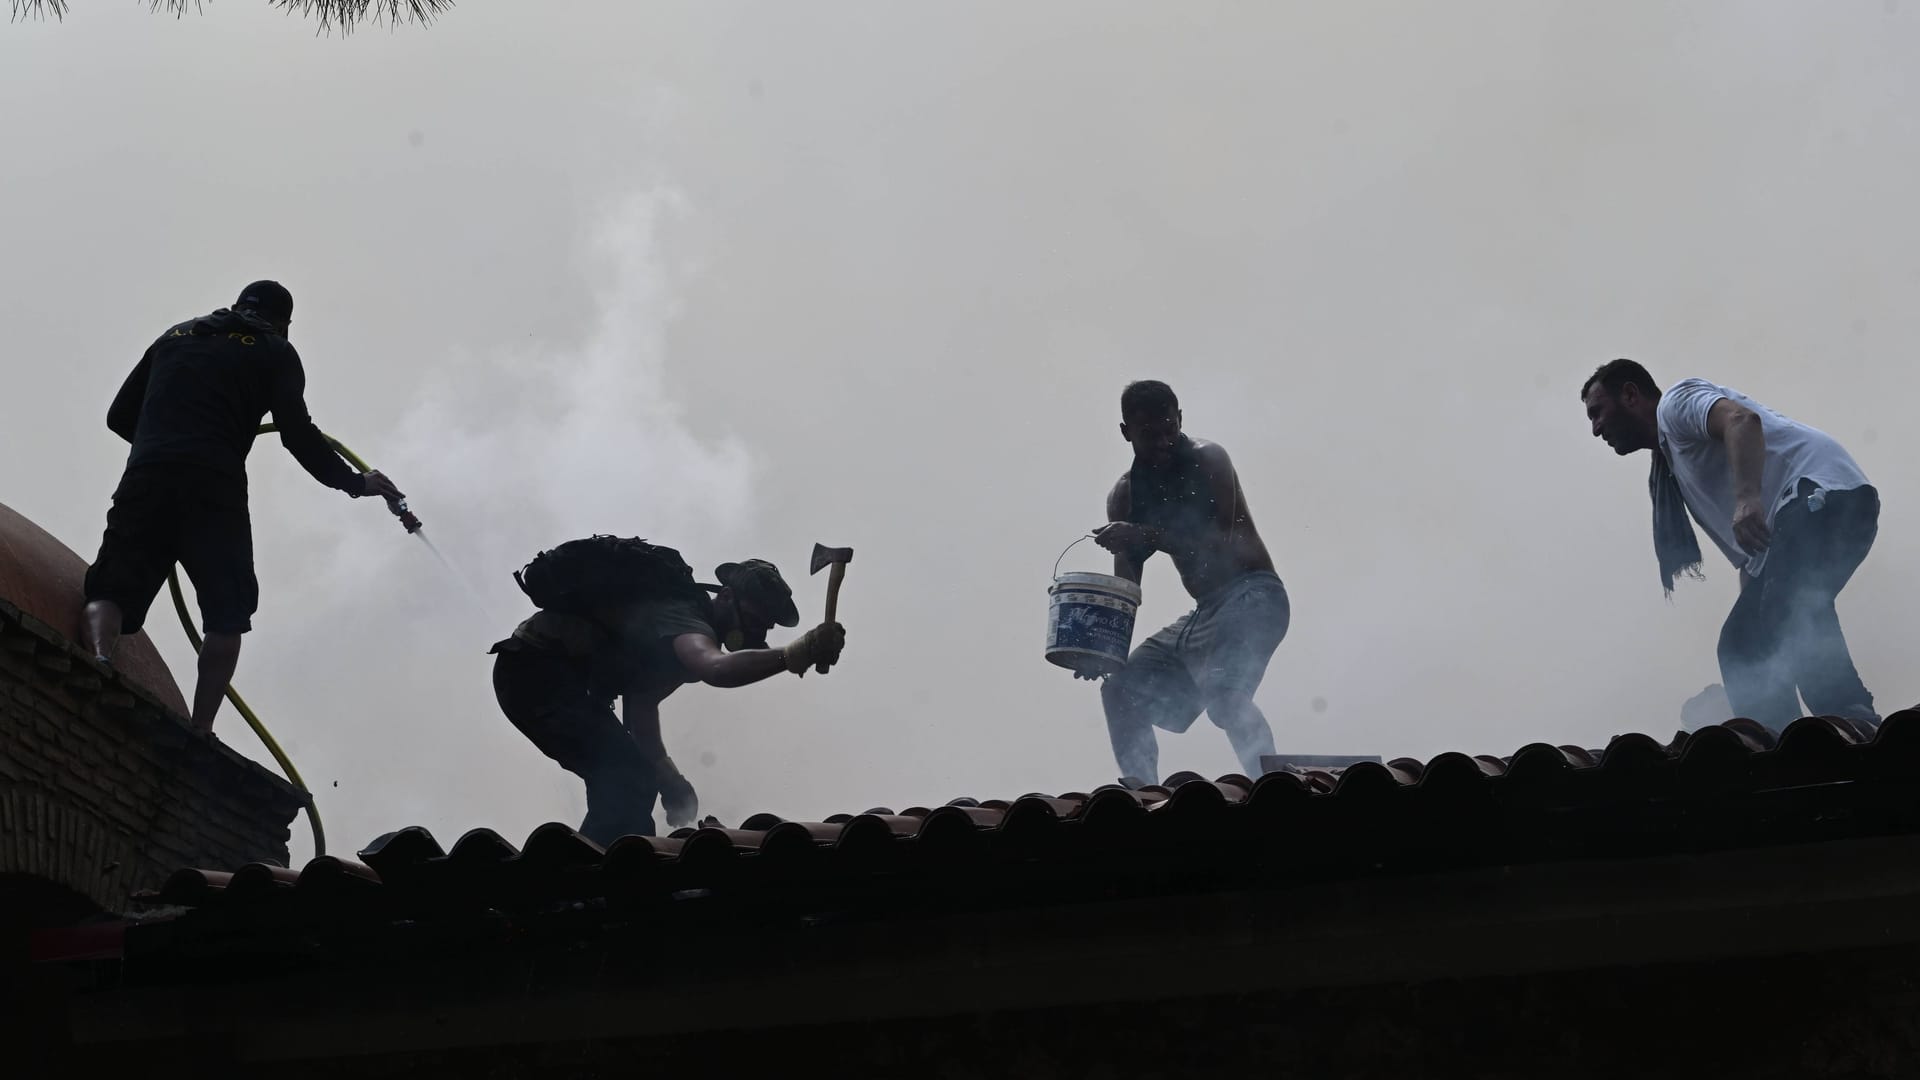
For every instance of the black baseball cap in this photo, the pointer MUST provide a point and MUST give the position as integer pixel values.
(268, 298)
(760, 584)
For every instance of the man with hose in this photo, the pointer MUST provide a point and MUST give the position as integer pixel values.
(1182, 497)
(191, 409)
(620, 617)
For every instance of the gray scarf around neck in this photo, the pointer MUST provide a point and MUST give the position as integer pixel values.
(1673, 538)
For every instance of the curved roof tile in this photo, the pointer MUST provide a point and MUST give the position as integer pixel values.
(1197, 818)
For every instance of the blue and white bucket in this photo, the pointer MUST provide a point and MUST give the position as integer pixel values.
(1090, 622)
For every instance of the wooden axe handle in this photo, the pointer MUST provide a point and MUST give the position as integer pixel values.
(834, 577)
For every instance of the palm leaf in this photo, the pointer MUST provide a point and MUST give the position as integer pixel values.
(343, 15)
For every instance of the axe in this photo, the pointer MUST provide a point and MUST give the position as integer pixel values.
(838, 558)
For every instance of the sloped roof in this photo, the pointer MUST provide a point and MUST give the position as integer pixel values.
(1723, 787)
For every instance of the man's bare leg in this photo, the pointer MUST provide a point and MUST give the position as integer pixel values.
(1136, 748)
(1247, 730)
(100, 624)
(219, 656)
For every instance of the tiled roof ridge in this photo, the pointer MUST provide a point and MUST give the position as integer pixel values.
(1811, 750)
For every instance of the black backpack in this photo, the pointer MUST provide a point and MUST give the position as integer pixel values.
(580, 575)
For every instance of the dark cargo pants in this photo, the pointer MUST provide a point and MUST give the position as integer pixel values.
(548, 698)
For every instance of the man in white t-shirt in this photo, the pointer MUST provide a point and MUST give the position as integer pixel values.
(1785, 503)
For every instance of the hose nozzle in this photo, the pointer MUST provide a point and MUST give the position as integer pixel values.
(407, 520)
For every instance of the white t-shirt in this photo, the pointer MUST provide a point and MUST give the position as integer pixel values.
(1794, 452)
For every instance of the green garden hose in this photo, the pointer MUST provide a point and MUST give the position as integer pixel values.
(239, 703)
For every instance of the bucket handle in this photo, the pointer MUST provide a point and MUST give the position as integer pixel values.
(1063, 554)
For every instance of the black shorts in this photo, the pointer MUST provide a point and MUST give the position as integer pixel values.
(162, 515)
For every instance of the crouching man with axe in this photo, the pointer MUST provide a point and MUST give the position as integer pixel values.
(623, 618)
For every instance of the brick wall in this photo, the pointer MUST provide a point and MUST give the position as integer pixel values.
(105, 791)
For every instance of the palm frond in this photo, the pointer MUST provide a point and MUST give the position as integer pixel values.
(348, 14)
(343, 15)
(38, 9)
(175, 8)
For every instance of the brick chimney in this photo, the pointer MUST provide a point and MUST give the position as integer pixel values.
(105, 789)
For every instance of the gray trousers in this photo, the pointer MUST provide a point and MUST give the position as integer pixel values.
(1210, 660)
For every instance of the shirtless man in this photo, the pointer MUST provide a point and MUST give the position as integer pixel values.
(1183, 497)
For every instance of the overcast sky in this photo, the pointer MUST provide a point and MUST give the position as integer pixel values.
(740, 278)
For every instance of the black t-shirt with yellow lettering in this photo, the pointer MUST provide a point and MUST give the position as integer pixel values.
(200, 392)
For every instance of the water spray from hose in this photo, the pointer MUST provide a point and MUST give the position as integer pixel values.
(472, 594)
(412, 524)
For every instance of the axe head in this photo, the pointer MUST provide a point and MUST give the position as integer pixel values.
(824, 556)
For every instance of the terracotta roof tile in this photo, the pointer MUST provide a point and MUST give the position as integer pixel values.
(1729, 784)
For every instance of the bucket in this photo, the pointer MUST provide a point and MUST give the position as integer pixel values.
(1090, 622)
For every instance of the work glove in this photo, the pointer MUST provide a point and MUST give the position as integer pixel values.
(376, 483)
(820, 645)
(677, 798)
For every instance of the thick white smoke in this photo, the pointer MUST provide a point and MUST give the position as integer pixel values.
(503, 454)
